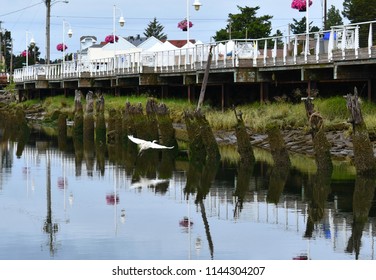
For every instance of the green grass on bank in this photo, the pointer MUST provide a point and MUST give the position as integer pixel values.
(256, 116)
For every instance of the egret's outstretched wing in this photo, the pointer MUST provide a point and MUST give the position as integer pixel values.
(144, 183)
(157, 146)
(136, 140)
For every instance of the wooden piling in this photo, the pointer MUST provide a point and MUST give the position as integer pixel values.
(364, 159)
(245, 150)
(321, 144)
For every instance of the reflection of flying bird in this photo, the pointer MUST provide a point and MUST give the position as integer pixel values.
(144, 145)
(144, 183)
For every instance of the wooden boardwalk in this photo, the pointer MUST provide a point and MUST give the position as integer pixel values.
(338, 55)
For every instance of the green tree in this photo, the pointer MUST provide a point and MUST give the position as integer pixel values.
(299, 27)
(6, 46)
(333, 18)
(360, 11)
(155, 29)
(245, 24)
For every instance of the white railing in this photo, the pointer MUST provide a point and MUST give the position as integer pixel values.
(339, 43)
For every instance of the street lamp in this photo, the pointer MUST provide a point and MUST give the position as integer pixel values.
(32, 43)
(197, 6)
(49, 3)
(121, 23)
(70, 34)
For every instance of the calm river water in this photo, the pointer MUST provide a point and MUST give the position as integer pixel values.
(87, 202)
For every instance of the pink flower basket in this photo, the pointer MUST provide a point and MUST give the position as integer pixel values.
(24, 53)
(110, 39)
(183, 25)
(61, 47)
(300, 5)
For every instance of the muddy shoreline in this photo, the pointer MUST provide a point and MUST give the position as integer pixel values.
(297, 141)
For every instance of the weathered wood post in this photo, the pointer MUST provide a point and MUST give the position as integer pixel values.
(208, 138)
(364, 159)
(321, 144)
(197, 152)
(100, 127)
(151, 119)
(278, 147)
(245, 150)
(166, 129)
(281, 166)
(78, 128)
(89, 117)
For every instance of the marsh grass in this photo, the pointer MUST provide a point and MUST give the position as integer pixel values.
(256, 116)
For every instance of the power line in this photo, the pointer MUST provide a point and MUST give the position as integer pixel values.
(19, 10)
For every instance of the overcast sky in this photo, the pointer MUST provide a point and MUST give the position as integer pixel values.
(95, 17)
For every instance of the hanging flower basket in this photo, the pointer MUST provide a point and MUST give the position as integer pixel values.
(61, 47)
(110, 39)
(183, 25)
(24, 53)
(300, 5)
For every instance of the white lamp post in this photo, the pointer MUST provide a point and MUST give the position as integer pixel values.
(307, 31)
(197, 6)
(70, 34)
(121, 23)
(32, 43)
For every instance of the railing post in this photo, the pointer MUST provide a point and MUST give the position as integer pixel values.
(331, 45)
(306, 48)
(275, 51)
(356, 41)
(343, 43)
(255, 52)
(317, 49)
(370, 40)
(295, 48)
(265, 50)
(284, 51)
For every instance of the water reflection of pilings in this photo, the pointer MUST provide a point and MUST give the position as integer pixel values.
(15, 128)
(50, 227)
(277, 181)
(199, 179)
(244, 173)
(79, 154)
(318, 192)
(62, 131)
(362, 201)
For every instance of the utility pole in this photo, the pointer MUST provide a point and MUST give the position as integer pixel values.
(48, 29)
(325, 14)
(11, 61)
(1, 43)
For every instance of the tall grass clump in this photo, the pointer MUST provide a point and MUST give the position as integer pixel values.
(285, 115)
(332, 109)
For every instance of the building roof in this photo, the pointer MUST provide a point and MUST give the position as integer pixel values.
(180, 43)
(136, 40)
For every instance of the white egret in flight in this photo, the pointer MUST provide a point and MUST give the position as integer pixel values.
(144, 145)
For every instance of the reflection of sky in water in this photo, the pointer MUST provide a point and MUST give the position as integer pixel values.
(90, 228)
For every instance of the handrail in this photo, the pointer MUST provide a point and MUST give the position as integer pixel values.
(303, 48)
